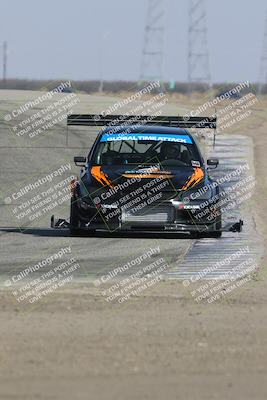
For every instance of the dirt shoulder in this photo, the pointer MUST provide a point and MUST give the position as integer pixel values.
(161, 345)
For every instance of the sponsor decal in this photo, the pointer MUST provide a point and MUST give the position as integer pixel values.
(148, 176)
(148, 173)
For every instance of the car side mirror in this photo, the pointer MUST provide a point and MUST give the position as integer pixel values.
(80, 161)
(213, 162)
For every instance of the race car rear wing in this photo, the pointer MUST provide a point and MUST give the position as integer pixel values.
(114, 120)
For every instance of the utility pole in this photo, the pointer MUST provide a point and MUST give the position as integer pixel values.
(198, 54)
(263, 63)
(152, 56)
(4, 63)
(102, 47)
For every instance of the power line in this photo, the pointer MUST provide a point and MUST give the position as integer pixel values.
(153, 50)
(198, 54)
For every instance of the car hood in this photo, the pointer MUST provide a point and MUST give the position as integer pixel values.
(125, 179)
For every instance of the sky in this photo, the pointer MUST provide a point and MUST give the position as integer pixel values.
(87, 39)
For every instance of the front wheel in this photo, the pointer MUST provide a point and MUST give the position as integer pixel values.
(218, 226)
(74, 218)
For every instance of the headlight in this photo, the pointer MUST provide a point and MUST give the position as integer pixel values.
(84, 205)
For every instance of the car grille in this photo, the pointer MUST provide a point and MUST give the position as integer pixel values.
(153, 215)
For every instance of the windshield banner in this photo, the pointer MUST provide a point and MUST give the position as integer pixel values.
(148, 136)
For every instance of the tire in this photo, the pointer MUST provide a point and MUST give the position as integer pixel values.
(74, 218)
(75, 223)
(218, 226)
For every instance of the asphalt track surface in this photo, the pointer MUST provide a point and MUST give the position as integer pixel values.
(25, 243)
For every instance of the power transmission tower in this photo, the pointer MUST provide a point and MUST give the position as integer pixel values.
(4, 62)
(263, 64)
(198, 54)
(152, 57)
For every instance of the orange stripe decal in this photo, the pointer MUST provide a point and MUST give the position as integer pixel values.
(101, 177)
(195, 178)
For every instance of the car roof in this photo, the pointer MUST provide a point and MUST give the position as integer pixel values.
(146, 128)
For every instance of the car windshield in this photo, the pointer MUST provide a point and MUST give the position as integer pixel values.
(147, 149)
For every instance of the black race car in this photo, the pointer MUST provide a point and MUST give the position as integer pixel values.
(148, 177)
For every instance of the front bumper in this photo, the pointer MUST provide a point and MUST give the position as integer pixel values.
(165, 216)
